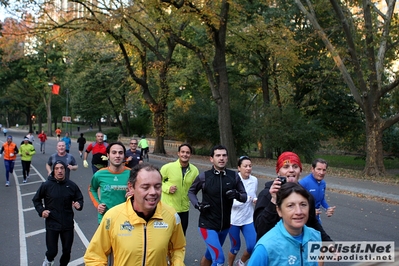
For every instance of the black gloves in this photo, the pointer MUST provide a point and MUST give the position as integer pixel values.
(202, 206)
(232, 194)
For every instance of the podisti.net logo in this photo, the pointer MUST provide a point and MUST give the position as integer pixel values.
(352, 251)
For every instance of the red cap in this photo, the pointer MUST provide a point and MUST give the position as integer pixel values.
(288, 157)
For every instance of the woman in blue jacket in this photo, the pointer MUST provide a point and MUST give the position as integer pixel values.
(287, 242)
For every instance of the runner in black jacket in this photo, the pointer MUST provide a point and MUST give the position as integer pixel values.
(220, 187)
(265, 215)
(59, 196)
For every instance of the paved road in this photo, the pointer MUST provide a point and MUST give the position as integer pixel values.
(23, 240)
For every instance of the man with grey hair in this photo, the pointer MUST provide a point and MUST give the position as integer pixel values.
(133, 155)
(62, 155)
(99, 150)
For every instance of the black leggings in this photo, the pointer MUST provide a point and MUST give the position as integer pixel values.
(25, 168)
(184, 220)
(146, 151)
(52, 245)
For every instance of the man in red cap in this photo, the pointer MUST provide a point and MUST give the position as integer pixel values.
(265, 215)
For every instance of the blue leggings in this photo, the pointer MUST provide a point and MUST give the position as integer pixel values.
(249, 233)
(9, 164)
(94, 169)
(214, 241)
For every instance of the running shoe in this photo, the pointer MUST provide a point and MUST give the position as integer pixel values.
(47, 263)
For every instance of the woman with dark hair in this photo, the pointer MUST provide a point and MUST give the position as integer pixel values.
(242, 215)
(287, 242)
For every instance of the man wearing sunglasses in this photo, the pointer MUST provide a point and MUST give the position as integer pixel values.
(133, 155)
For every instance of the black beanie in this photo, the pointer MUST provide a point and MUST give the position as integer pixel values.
(59, 162)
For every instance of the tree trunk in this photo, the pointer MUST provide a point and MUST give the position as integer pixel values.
(116, 114)
(99, 124)
(222, 81)
(159, 108)
(159, 145)
(224, 117)
(260, 149)
(159, 127)
(218, 78)
(225, 129)
(39, 123)
(266, 104)
(125, 118)
(374, 149)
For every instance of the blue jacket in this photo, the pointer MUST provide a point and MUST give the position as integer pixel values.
(316, 188)
(68, 142)
(278, 247)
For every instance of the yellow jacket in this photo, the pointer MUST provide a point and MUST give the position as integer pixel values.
(172, 176)
(134, 241)
(27, 148)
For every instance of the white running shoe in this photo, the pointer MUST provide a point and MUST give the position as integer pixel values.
(24, 181)
(239, 263)
(47, 263)
(7, 183)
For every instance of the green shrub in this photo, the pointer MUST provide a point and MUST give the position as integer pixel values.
(112, 134)
(139, 126)
(289, 130)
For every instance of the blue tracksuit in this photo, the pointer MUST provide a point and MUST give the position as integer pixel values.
(317, 189)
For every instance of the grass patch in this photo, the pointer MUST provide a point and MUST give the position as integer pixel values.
(352, 167)
(344, 161)
(354, 162)
(344, 166)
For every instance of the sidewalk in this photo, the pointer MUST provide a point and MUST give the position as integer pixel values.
(361, 188)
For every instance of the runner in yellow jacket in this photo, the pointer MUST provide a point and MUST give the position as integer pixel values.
(26, 151)
(177, 178)
(141, 231)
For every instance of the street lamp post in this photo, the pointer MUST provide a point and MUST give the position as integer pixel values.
(48, 109)
(66, 111)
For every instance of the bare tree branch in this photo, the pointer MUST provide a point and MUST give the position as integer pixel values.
(383, 45)
(340, 64)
